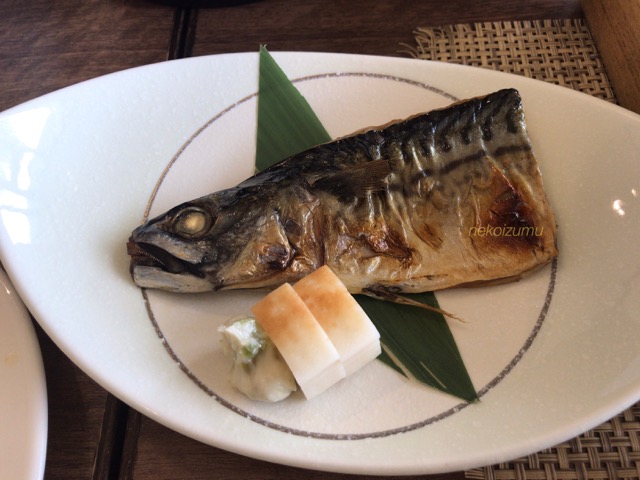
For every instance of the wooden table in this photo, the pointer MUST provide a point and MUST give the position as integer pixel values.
(47, 45)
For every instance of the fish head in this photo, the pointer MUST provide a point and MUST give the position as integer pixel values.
(236, 238)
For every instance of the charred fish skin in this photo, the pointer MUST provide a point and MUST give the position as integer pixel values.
(451, 197)
(464, 203)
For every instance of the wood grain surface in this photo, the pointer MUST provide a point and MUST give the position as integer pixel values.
(46, 45)
(615, 26)
(76, 409)
(353, 26)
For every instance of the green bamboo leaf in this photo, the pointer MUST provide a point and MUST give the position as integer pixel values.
(418, 343)
(421, 342)
(286, 122)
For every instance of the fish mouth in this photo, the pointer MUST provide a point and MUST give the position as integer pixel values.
(149, 255)
(153, 267)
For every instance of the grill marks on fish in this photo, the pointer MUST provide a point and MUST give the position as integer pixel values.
(392, 208)
(451, 171)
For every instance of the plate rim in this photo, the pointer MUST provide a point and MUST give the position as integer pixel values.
(17, 320)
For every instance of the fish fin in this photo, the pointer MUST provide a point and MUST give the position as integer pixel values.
(386, 295)
(357, 180)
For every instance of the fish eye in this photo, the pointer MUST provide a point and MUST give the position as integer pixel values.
(192, 222)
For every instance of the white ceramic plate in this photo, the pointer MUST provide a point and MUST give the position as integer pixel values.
(552, 356)
(23, 392)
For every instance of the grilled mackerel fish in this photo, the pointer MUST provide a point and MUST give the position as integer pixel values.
(447, 198)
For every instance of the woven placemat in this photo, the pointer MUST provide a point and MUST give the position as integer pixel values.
(560, 52)
(609, 451)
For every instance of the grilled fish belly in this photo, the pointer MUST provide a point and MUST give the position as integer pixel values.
(464, 203)
(447, 198)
